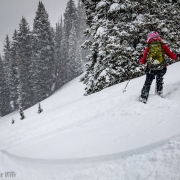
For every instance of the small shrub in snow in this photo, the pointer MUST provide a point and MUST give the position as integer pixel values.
(13, 121)
(21, 113)
(39, 109)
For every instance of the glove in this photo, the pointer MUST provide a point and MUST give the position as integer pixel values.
(178, 55)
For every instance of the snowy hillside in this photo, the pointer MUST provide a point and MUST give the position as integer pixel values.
(109, 135)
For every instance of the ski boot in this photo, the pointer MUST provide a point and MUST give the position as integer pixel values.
(160, 93)
(143, 100)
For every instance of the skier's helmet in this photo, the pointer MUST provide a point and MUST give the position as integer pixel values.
(152, 35)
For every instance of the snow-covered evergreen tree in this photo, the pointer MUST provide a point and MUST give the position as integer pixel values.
(39, 109)
(23, 56)
(43, 55)
(13, 121)
(119, 30)
(81, 29)
(9, 71)
(14, 67)
(4, 93)
(58, 39)
(74, 66)
(70, 16)
(21, 112)
(169, 14)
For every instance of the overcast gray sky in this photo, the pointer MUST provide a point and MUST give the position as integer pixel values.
(11, 12)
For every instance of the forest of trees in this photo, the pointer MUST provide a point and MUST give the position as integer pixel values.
(118, 30)
(37, 63)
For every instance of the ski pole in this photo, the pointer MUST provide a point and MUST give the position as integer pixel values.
(124, 90)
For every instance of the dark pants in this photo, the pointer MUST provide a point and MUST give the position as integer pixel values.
(150, 75)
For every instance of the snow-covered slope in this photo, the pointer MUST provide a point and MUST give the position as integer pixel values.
(108, 135)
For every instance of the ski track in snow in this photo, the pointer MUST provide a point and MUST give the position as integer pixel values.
(116, 136)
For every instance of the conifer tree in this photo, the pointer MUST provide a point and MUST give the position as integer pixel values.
(21, 112)
(74, 66)
(23, 56)
(8, 67)
(70, 16)
(14, 66)
(58, 39)
(119, 31)
(43, 55)
(169, 14)
(39, 109)
(4, 93)
(13, 121)
(81, 30)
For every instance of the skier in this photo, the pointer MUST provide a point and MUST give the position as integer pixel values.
(153, 55)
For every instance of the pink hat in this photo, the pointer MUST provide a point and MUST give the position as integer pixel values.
(152, 35)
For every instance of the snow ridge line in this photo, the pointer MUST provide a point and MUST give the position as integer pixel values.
(108, 157)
